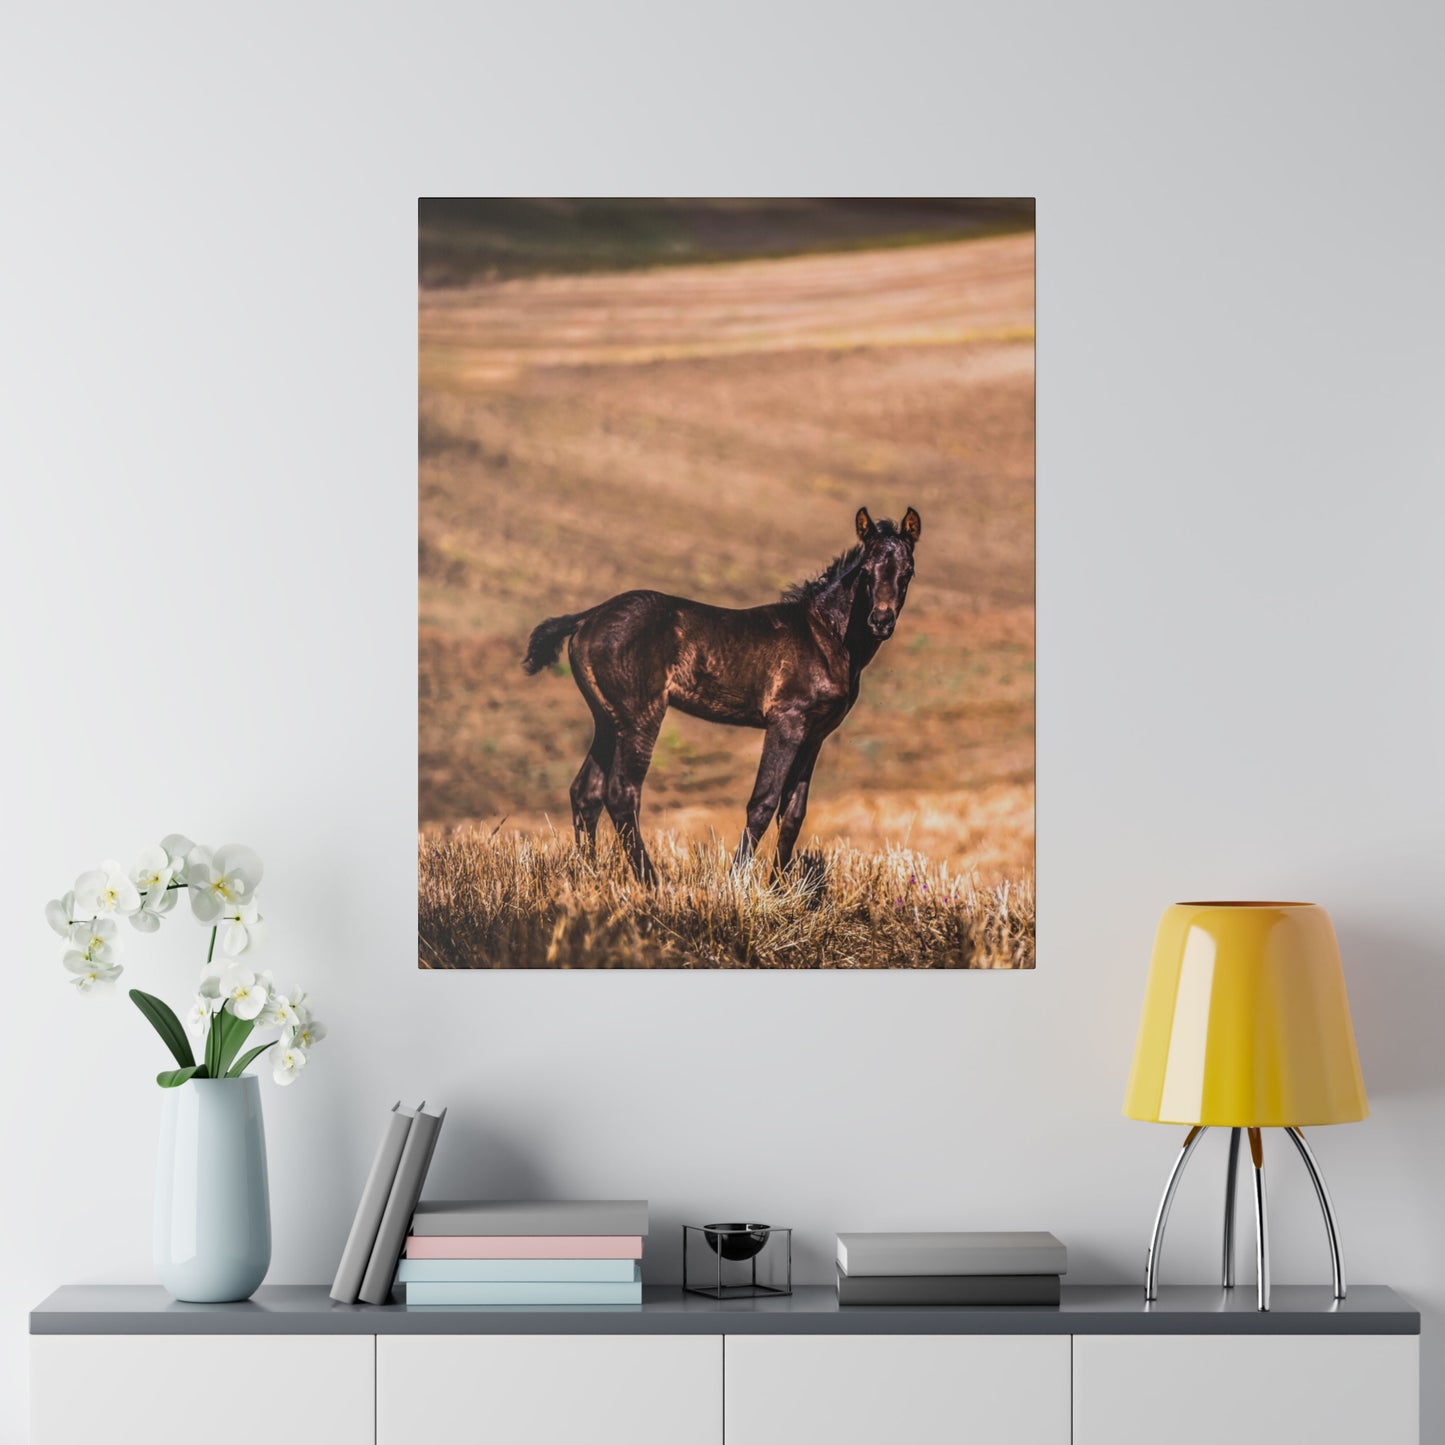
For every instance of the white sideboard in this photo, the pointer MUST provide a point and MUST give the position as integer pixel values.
(923, 1389)
(221, 1389)
(627, 1389)
(128, 1366)
(1202, 1390)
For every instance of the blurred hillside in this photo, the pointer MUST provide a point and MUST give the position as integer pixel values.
(463, 240)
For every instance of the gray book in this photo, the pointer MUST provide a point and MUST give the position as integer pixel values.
(356, 1254)
(548, 1216)
(957, 1252)
(421, 1140)
(963, 1290)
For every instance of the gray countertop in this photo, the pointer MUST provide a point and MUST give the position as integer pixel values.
(1086, 1310)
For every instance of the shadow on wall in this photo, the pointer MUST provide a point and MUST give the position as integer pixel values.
(1397, 998)
(477, 1160)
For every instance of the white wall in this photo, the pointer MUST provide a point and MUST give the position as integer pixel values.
(207, 442)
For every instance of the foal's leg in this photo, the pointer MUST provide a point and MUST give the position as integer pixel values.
(795, 801)
(780, 746)
(589, 787)
(630, 762)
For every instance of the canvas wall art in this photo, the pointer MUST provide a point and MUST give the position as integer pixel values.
(726, 593)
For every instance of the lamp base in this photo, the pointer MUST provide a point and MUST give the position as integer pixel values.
(1261, 1212)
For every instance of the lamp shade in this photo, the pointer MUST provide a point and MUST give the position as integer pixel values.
(1246, 1023)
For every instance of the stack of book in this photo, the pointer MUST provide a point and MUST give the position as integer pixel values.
(486, 1252)
(388, 1201)
(969, 1268)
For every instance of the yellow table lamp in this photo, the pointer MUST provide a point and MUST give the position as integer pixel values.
(1246, 1026)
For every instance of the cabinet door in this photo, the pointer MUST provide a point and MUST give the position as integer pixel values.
(548, 1390)
(1246, 1389)
(912, 1389)
(219, 1389)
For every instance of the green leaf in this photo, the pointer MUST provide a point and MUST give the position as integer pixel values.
(234, 1032)
(173, 1078)
(249, 1058)
(213, 1043)
(166, 1024)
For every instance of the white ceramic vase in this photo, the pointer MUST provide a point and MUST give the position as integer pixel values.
(213, 1211)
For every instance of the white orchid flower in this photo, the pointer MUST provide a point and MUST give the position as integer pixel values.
(178, 848)
(198, 871)
(220, 882)
(244, 993)
(59, 912)
(106, 889)
(301, 1004)
(243, 930)
(94, 939)
(154, 869)
(152, 877)
(94, 950)
(155, 906)
(210, 984)
(307, 1035)
(286, 1063)
(198, 1018)
(279, 1011)
(88, 972)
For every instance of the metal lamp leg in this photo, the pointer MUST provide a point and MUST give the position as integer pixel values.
(1332, 1231)
(1230, 1181)
(1156, 1239)
(1261, 1219)
(1261, 1212)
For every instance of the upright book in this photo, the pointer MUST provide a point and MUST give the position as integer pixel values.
(955, 1252)
(356, 1254)
(401, 1204)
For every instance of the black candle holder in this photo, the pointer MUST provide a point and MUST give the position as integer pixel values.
(737, 1261)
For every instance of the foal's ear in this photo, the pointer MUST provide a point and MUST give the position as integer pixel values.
(864, 523)
(912, 525)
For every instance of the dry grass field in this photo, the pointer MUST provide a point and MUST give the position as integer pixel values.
(512, 901)
(709, 430)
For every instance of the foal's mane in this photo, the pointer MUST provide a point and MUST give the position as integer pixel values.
(839, 567)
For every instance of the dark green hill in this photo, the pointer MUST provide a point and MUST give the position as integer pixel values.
(462, 240)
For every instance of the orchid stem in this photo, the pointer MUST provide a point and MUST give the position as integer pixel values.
(210, 952)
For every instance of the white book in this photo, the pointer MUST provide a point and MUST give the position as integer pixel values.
(952, 1252)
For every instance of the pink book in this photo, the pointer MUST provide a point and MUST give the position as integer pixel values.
(524, 1246)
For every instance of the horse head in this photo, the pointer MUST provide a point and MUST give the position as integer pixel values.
(887, 567)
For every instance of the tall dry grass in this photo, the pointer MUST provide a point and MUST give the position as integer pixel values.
(507, 900)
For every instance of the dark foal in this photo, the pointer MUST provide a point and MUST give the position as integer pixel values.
(790, 668)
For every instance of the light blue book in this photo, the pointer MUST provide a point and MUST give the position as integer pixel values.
(557, 1292)
(519, 1271)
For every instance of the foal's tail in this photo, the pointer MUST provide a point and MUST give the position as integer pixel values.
(545, 646)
